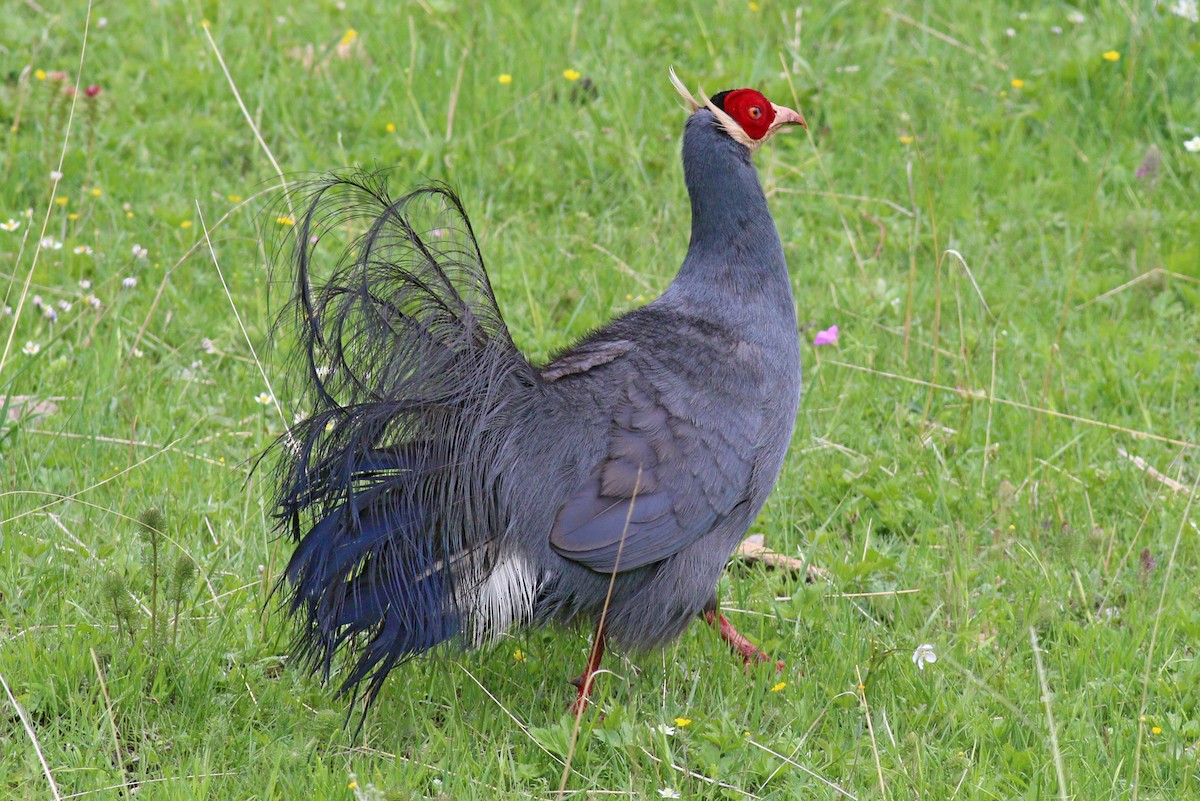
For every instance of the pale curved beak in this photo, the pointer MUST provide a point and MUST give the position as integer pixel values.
(785, 116)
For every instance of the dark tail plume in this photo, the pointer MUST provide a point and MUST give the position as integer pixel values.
(407, 372)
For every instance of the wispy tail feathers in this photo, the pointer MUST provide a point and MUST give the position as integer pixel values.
(409, 372)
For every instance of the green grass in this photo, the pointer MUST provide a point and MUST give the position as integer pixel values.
(1004, 520)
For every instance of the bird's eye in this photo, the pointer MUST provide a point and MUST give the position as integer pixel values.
(755, 112)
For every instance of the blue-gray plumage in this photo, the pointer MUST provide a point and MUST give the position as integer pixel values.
(444, 488)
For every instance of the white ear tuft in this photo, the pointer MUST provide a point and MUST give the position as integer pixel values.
(683, 92)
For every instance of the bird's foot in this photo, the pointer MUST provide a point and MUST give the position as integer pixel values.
(579, 705)
(741, 645)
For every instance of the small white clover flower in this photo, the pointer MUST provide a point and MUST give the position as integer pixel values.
(1187, 9)
(49, 243)
(31, 349)
(668, 792)
(207, 345)
(263, 398)
(139, 252)
(129, 282)
(1192, 145)
(85, 284)
(55, 175)
(924, 655)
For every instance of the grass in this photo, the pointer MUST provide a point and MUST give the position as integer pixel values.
(958, 460)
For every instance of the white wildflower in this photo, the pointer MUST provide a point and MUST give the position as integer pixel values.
(665, 729)
(64, 306)
(49, 243)
(83, 250)
(129, 283)
(139, 252)
(11, 225)
(924, 655)
(263, 398)
(37, 301)
(93, 301)
(207, 345)
(1192, 145)
(668, 792)
(1076, 18)
(85, 284)
(50, 314)
(1186, 9)
(138, 353)
(31, 349)
(55, 175)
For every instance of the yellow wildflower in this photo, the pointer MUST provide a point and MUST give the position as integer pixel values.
(779, 686)
(62, 201)
(1111, 55)
(390, 127)
(754, 6)
(348, 38)
(285, 220)
(572, 75)
(72, 216)
(234, 198)
(1017, 83)
(186, 224)
(1156, 729)
(681, 722)
(908, 139)
(97, 192)
(353, 785)
(505, 79)
(40, 75)
(519, 655)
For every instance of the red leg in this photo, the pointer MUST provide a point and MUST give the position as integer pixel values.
(587, 679)
(748, 651)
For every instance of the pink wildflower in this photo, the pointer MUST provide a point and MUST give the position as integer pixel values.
(827, 337)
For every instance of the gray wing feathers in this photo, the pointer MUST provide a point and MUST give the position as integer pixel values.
(674, 466)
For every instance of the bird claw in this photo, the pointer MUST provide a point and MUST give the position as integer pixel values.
(750, 653)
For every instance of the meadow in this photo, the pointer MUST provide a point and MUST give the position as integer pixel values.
(998, 458)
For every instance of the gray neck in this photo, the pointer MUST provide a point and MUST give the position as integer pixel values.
(735, 252)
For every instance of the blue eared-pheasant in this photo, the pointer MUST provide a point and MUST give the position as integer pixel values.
(444, 488)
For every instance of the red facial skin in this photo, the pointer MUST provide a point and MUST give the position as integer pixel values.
(750, 110)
